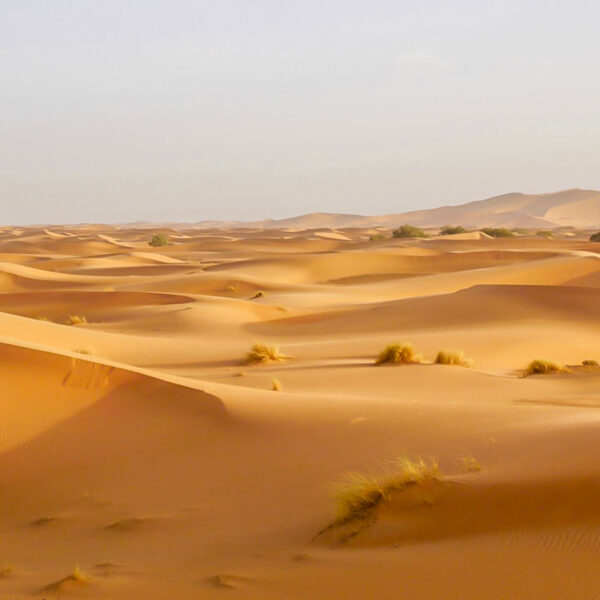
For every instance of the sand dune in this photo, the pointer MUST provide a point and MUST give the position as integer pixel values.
(140, 458)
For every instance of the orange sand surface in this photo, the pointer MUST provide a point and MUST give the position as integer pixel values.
(140, 458)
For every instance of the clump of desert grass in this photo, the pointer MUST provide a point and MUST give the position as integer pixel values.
(76, 320)
(276, 385)
(82, 350)
(469, 464)
(453, 357)
(42, 318)
(257, 294)
(590, 363)
(357, 496)
(401, 353)
(230, 288)
(544, 367)
(261, 353)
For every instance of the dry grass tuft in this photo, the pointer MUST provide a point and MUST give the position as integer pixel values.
(357, 496)
(590, 363)
(398, 354)
(544, 367)
(453, 357)
(76, 320)
(42, 318)
(258, 294)
(276, 385)
(263, 353)
(469, 464)
(82, 350)
(230, 288)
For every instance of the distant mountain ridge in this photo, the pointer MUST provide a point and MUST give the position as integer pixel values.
(567, 208)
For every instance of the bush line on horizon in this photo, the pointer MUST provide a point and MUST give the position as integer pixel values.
(595, 237)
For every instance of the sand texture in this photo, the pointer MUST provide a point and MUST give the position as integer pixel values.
(144, 453)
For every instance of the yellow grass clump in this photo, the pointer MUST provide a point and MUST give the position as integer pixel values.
(357, 496)
(258, 294)
(276, 385)
(452, 357)
(263, 353)
(76, 320)
(544, 367)
(398, 354)
(470, 464)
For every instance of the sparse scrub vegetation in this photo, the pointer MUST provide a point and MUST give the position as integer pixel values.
(276, 385)
(399, 354)
(82, 350)
(544, 234)
(230, 288)
(357, 496)
(258, 294)
(376, 237)
(498, 232)
(263, 353)
(590, 363)
(408, 231)
(159, 239)
(452, 357)
(76, 320)
(544, 367)
(595, 237)
(452, 229)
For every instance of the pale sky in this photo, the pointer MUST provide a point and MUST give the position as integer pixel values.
(181, 110)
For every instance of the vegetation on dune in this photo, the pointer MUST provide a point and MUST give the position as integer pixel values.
(375, 237)
(590, 363)
(452, 357)
(452, 229)
(76, 320)
(544, 234)
(263, 353)
(357, 496)
(408, 231)
(497, 232)
(469, 464)
(544, 367)
(230, 288)
(159, 239)
(258, 294)
(276, 385)
(595, 237)
(399, 354)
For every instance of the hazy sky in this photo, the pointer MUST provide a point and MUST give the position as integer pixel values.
(123, 110)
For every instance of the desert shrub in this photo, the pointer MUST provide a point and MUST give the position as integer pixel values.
(408, 231)
(76, 320)
(159, 239)
(470, 464)
(452, 229)
(357, 496)
(258, 294)
(497, 232)
(452, 357)
(230, 288)
(398, 354)
(543, 367)
(595, 237)
(544, 234)
(590, 363)
(276, 385)
(263, 353)
(376, 237)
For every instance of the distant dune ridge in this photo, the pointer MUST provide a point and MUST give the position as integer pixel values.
(567, 208)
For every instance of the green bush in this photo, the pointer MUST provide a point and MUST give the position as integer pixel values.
(595, 237)
(376, 237)
(452, 229)
(159, 239)
(497, 232)
(408, 231)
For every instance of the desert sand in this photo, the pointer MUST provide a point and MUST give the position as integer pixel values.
(139, 458)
